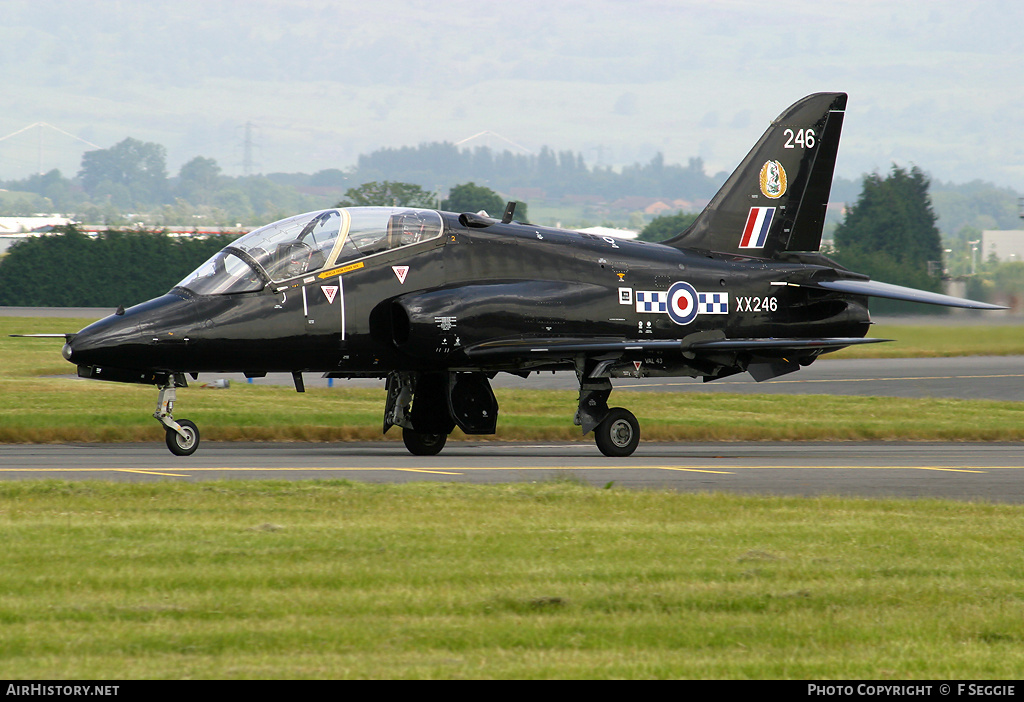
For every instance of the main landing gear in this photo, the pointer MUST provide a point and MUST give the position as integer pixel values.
(427, 406)
(421, 443)
(619, 434)
(182, 436)
(616, 430)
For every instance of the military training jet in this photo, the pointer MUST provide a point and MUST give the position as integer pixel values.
(438, 303)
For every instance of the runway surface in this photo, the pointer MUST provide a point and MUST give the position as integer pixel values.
(992, 472)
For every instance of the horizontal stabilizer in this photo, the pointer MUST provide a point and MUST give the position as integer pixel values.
(873, 288)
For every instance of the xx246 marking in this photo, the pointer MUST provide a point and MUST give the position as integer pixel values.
(757, 304)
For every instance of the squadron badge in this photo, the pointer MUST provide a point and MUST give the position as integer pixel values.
(773, 180)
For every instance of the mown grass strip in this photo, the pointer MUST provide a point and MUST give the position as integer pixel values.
(940, 340)
(61, 410)
(277, 579)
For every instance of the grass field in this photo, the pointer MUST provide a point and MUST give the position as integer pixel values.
(937, 339)
(544, 580)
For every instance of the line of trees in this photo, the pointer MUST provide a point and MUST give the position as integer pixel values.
(71, 269)
(132, 177)
(439, 165)
(129, 182)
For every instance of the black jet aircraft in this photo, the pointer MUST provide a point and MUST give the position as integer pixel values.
(438, 303)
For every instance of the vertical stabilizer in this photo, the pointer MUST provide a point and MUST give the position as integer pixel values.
(775, 200)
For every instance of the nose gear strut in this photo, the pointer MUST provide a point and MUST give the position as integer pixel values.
(182, 436)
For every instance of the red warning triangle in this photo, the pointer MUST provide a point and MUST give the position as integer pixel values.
(400, 273)
(330, 291)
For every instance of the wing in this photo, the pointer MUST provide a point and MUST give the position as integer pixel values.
(538, 348)
(705, 354)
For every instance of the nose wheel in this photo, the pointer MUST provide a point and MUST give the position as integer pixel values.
(184, 443)
(182, 436)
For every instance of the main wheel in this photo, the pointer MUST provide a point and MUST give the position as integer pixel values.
(183, 445)
(619, 434)
(423, 444)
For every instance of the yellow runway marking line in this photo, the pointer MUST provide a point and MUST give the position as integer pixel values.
(693, 470)
(150, 472)
(421, 470)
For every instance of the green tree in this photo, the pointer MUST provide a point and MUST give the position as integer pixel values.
(470, 197)
(198, 179)
(328, 178)
(131, 173)
(666, 226)
(977, 204)
(116, 267)
(890, 233)
(52, 186)
(388, 194)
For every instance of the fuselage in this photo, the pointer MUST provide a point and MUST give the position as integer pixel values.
(418, 305)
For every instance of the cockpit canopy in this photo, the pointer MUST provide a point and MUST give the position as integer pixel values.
(309, 242)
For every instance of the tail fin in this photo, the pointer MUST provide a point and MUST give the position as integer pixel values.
(775, 200)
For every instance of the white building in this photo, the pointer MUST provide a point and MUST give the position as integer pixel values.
(1005, 245)
(15, 229)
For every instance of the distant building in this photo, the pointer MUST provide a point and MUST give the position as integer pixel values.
(1004, 245)
(15, 229)
(22, 225)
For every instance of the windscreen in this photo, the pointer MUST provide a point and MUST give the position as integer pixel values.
(294, 246)
(225, 273)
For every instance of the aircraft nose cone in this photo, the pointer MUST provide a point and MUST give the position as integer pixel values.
(144, 337)
(106, 342)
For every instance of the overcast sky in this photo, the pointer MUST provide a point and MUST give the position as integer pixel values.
(937, 84)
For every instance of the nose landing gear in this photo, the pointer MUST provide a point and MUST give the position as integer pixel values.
(182, 436)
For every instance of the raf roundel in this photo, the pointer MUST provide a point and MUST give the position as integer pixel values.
(682, 302)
